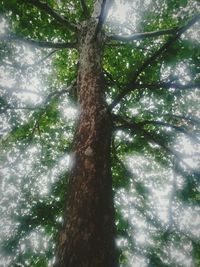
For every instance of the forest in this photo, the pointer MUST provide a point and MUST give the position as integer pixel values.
(100, 133)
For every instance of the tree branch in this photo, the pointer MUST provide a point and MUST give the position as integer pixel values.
(137, 128)
(163, 48)
(50, 11)
(166, 124)
(15, 89)
(162, 85)
(166, 229)
(59, 93)
(191, 119)
(155, 138)
(152, 58)
(140, 36)
(16, 65)
(189, 24)
(46, 102)
(109, 76)
(43, 44)
(103, 14)
(143, 35)
(85, 9)
(167, 85)
(9, 107)
(41, 60)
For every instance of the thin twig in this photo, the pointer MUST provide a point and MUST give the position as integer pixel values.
(46, 102)
(192, 119)
(41, 60)
(36, 43)
(152, 59)
(167, 85)
(162, 85)
(85, 9)
(23, 67)
(103, 14)
(141, 36)
(166, 124)
(136, 127)
(50, 11)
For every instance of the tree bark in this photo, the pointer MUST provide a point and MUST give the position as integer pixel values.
(87, 238)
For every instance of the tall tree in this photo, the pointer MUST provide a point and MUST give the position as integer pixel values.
(134, 84)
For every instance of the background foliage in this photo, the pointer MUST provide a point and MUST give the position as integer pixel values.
(155, 147)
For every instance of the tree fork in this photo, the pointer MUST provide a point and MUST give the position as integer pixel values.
(87, 238)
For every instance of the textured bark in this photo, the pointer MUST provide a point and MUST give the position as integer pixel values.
(87, 239)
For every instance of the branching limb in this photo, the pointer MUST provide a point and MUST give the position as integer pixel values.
(155, 138)
(41, 60)
(105, 5)
(165, 85)
(43, 44)
(162, 85)
(165, 47)
(9, 107)
(45, 103)
(111, 80)
(191, 119)
(167, 230)
(59, 93)
(177, 128)
(85, 9)
(183, 29)
(152, 59)
(36, 126)
(172, 197)
(16, 65)
(50, 11)
(15, 89)
(140, 36)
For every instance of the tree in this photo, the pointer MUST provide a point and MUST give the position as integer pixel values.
(134, 92)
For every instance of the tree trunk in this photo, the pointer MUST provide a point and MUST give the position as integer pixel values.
(87, 239)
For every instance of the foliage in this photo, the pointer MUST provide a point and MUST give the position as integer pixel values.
(156, 128)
